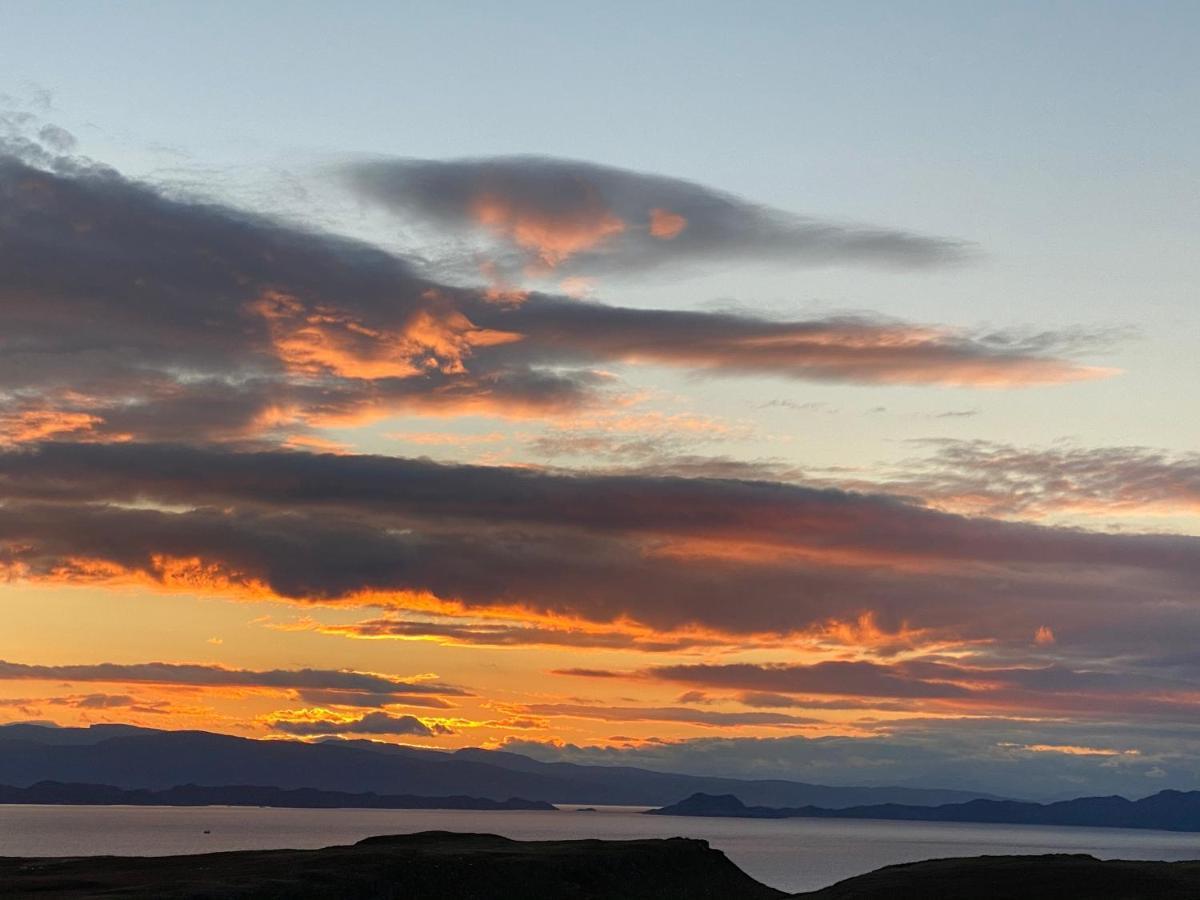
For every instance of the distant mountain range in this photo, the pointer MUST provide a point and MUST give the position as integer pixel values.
(125, 756)
(1166, 810)
(57, 793)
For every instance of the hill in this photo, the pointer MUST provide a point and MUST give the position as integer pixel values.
(1050, 877)
(432, 865)
(57, 793)
(127, 757)
(1166, 810)
(437, 865)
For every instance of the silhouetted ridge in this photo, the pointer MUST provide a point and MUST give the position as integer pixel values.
(1050, 877)
(54, 792)
(135, 758)
(1166, 810)
(433, 865)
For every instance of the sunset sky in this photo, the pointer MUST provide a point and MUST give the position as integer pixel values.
(794, 390)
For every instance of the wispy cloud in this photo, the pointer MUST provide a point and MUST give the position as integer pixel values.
(185, 674)
(678, 714)
(1004, 479)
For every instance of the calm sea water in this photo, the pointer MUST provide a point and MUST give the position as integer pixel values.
(793, 854)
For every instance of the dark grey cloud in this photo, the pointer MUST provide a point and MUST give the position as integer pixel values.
(149, 311)
(765, 700)
(497, 634)
(130, 312)
(372, 700)
(777, 513)
(89, 703)
(584, 218)
(579, 672)
(680, 714)
(660, 550)
(217, 676)
(371, 723)
(861, 349)
(1087, 690)
(863, 679)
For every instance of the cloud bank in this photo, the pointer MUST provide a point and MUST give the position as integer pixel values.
(662, 551)
(129, 313)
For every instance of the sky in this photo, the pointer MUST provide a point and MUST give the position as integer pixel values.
(781, 390)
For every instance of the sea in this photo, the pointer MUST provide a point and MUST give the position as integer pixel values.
(789, 854)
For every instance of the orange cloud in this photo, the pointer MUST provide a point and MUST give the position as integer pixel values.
(911, 354)
(523, 632)
(162, 572)
(321, 721)
(865, 633)
(666, 225)
(499, 290)
(326, 340)
(577, 287)
(733, 547)
(40, 424)
(1077, 750)
(550, 237)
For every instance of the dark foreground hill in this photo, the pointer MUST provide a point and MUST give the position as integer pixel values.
(438, 865)
(129, 757)
(433, 865)
(57, 793)
(1166, 810)
(1051, 877)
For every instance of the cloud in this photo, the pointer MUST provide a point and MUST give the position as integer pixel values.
(863, 679)
(507, 634)
(854, 349)
(766, 700)
(667, 553)
(1007, 756)
(957, 414)
(579, 672)
(171, 316)
(340, 681)
(131, 313)
(372, 723)
(1007, 480)
(578, 218)
(685, 715)
(372, 700)
(973, 684)
(92, 702)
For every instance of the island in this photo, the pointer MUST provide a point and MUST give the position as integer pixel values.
(1165, 811)
(69, 794)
